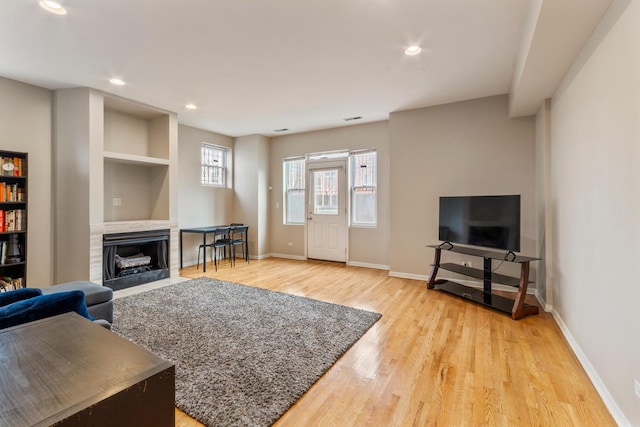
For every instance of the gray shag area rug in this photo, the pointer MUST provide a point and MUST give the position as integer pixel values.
(243, 355)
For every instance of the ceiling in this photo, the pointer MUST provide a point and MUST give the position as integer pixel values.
(254, 66)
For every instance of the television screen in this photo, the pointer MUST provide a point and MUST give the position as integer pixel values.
(488, 221)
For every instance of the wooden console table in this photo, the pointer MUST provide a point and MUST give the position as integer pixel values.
(68, 371)
(517, 308)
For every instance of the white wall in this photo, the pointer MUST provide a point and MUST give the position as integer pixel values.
(199, 205)
(369, 246)
(595, 136)
(25, 126)
(464, 148)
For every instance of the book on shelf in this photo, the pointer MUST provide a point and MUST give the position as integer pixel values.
(12, 166)
(3, 252)
(12, 220)
(17, 166)
(11, 192)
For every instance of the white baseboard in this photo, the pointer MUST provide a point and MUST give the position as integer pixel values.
(367, 265)
(286, 256)
(543, 303)
(402, 275)
(602, 390)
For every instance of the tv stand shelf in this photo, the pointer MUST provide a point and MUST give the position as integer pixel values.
(517, 308)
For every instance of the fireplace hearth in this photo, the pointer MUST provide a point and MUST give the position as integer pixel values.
(134, 258)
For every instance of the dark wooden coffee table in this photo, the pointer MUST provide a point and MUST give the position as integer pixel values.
(68, 371)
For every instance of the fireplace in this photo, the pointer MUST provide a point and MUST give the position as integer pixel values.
(133, 258)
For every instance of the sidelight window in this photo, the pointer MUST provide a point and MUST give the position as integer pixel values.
(294, 177)
(364, 188)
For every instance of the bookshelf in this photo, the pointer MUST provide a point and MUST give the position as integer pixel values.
(13, 220)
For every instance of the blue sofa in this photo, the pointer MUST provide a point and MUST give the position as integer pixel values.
(99, 299)
(29, 304)
(88, 299)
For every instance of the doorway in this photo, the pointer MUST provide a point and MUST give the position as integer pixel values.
(326, 221)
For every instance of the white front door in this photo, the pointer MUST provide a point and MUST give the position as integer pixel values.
(327, 211)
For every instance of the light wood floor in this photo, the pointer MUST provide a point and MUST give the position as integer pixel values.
(432, 359)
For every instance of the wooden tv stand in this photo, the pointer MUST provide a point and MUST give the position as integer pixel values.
(517, 308)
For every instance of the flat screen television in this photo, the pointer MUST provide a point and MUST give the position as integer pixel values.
(488, 221)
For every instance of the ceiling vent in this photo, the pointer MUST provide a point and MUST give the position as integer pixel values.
(281, 130)
(350, 119)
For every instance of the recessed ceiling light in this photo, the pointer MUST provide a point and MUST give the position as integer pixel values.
(117, 82)
(413, 50)
(349, 119)
(281, 130)
(53, 7)
(191, 107)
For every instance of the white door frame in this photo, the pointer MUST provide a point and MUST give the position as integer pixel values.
(327, 164)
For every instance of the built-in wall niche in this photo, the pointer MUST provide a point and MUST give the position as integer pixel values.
(138, 131)
(135, 191)
(136, 161)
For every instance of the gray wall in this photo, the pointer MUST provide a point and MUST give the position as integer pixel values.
(595, 143)
(464, 148)
(251, 182)
(544, 224)
(25, 125)
(199, 205)
(78, 179)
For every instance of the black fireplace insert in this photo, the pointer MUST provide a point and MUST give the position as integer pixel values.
(134, 258)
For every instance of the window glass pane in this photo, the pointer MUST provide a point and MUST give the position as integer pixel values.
(295, 206)
(364, 206)
(328, 155)
(364, 188)
(213, 167)
(325, 192)
(294, 183)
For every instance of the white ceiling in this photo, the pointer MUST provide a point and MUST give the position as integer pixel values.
(253, 66)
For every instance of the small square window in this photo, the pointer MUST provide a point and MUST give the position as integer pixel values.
(213, 165)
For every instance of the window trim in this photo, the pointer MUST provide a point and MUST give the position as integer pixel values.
(225, 168)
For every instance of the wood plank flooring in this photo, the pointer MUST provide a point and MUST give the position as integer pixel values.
(432, 359)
